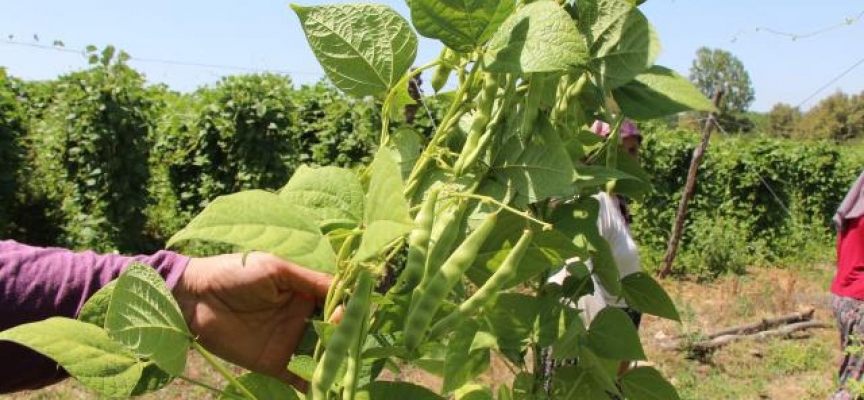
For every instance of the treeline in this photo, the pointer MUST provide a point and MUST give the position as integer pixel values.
(98, 159)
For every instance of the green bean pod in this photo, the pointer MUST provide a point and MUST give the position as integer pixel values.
(485, 102)
(445, 231)
(418, 246)
(346, 333)
(448, 58)
(505, 272)
(427, 303)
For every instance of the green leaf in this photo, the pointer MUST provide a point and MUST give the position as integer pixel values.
(408, 145)
(302, 366)
(591, 177)
(575, 382)
(365, 49)
(386, 216)
(144, 316)
(612, 335)
(548, 249)
(461, 364)
(473, 391)
(395, 390)
(263, 387)
(646, 383)
(461, 25)
(539, 37)
(259, 220)
(96, 307)
(329, 195)
(538, 169)
(623, 43)
(567, 346)
(659, 92)
(512, 319)
(643, 293)
(85, 351)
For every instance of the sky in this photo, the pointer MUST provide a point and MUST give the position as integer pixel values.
(796, 52)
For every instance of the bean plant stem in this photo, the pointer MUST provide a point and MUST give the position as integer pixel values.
(208, 387)
(439, 135)
(486, 199)
(388, 101)
(222, 370)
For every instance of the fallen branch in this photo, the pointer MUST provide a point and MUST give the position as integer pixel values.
(757, 330)
(720, 341)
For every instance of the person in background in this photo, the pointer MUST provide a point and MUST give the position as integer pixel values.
(848, 287)
(613, 223)
(251, 313)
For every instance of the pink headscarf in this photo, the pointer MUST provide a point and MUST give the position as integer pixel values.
(628, 129)
(853, 204)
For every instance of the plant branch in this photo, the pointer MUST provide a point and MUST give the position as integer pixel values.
(222, 370)
(208, 387)
(486, 199)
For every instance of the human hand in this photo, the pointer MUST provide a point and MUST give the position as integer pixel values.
(253, 315)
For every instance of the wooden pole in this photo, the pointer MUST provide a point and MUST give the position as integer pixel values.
(678, 228)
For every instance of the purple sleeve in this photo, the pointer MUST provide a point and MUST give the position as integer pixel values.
(37, 283)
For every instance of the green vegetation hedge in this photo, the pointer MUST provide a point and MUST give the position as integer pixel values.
(117, 165)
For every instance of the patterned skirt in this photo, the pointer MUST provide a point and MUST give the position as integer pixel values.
(850, 319)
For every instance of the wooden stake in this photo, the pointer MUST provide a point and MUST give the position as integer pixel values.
(678, 228)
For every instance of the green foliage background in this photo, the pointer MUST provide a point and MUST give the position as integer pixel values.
(161, 156)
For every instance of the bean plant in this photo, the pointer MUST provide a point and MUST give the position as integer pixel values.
(483, 211)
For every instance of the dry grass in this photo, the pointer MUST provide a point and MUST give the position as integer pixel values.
(801, 367)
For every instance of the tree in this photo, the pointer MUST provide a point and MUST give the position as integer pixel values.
(839, 117)
(714, 68)
(783, 120)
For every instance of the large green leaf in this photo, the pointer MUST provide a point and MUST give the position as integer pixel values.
(462, 25)
(539, 37)
(643, 293)
(386, 215)
(659, 92)
(646, 383)
(537, 169)
(263, 387)
(96, 307)
(259, 220)
(623, 43)
(85, 351)
(329, 195)
(94, 311)
(612, 335)
(463, 363)
(144, 316)
(365, 49)
(395, 390)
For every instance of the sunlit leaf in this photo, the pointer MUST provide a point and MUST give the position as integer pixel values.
(643, 293)
(259, 220)
(659, 92)
(461, 25)
(365, 49)
(144, 316)
(538, 37)
(85, 351)
(612, 335)
(329, 195)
